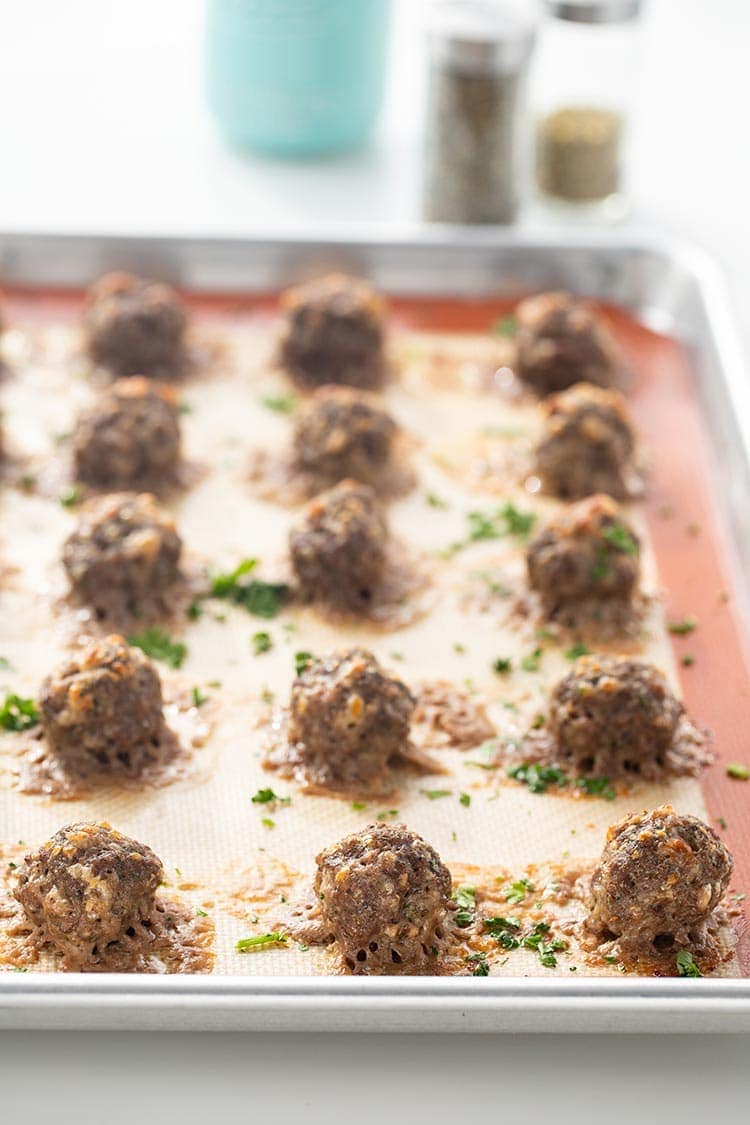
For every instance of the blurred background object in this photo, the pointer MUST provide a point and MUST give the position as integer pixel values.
(585, 75)
(296, 77)
(477, 119)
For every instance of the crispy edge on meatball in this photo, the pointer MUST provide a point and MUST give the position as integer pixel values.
(102, 711)
(123, 556)
(87, 887)
(611, 717)
(384, 892)
(129, 438)
(347, 720)
(343, 434)
(562, 341)
(338, 550)
(660, 876)
(587, 445)
(586, 550)
(334, 333)
(134, 326)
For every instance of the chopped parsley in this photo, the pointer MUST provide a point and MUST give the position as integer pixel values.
(737, 771)
(359, 806)
(260, 941)
(201, 913)
(687, 660)
(546, 949)
(505, 326)
(5, 664)
(538, 778)
(436, 794)
(465, 800)
(261, 599)
(577, 650)
(596, 787)
(682, 628)
(18, 714)
(508, 520)
(158, 644)
(281, 403)
(503, 665)
(435, 501)
(686, 966)
(480, 963)
(262, 642)
(465, 898)
(71, 496)
(621, 539)
(194, 611)
(267, 822)
(532, 662)
(198, 697)
(387, 814)
(302, 660)
(505, 930)
(267, 797)
(518, 891)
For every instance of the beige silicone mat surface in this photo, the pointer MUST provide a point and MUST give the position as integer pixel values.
(210, 835)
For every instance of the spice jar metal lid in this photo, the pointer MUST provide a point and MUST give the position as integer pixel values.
(594, 11)
(482, 36)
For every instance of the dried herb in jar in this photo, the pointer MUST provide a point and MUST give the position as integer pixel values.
(578, 153)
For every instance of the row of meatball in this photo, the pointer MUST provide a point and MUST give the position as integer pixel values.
(349, 721)
(382, 894)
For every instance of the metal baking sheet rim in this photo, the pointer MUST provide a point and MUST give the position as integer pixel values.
(673, 287)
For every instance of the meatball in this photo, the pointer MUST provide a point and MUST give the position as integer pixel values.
(611, 716)
(660, 876)
(129, 439)
(587, 445)
(334, 333)
(341, 434)
(347, 719)
(562, 341)
(338, 551)
(135, 327)
(586, 550)
(86, 887)
(384, 893)
(123, 556)
(102, 711)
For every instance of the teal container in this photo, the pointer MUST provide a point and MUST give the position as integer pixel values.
(296, 77)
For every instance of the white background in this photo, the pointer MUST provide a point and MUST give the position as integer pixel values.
(103, 128)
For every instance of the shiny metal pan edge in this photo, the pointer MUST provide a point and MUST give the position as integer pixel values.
(671, 287)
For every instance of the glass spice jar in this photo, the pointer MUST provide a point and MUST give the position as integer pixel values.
(585, 77)
(476, 119)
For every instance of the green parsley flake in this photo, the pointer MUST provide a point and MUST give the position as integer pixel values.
(682, 628)
(518, 891)
(502, 666)
(508, 520)
(435, 501)
(387, 814)
(158, 644)
(359, 806)
(532, 662)
(436, 794)
(738, 772)
(621, 539)
(267, 822)
(505, 326)
(465, 800)
(266, 796)
(480, 963)
(198, 697)
(686, 966)
(71, 496)
(577, 651)
(281, 403)
(18, 714)
(262, 642)
(465, 897)
(261, 599)
(538, 778)
(260, 941)
(302, 660)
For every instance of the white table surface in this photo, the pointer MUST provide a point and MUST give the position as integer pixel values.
(103, 128)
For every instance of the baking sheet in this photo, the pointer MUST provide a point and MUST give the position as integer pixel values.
(203, 839)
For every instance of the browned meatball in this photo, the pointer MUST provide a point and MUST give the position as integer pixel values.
(660, 876)
(611, 717)
(123, 556)
(135, 327)
(338, 550)
(562, 341)
(347, 720)
(384, 893)
(586, 550)
(86, 887)
(129, 439)
(341, 434)
(102, 711)
(587, 445)
(334, 333)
